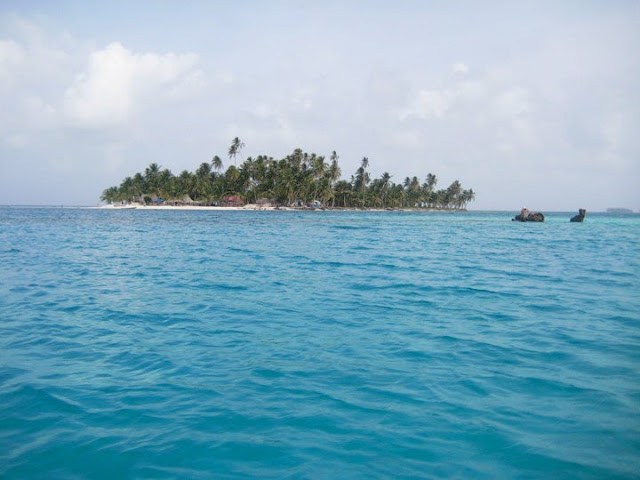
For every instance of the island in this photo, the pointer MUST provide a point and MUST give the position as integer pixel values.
(299, 180)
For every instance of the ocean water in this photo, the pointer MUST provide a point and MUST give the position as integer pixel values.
(173, 344)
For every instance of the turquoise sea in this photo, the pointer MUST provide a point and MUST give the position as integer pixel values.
(202, 344)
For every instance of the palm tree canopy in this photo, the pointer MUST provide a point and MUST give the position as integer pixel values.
(236, 146)
(299, 175)
(216, 163)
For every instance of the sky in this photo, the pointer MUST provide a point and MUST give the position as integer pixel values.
(532, 103)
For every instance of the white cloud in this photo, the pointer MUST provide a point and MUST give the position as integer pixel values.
(471, 90)
(29, 55)
(262, 110)
(11, 56)
(460, 68)
(488, 105)
(404, 139)
(119, 83)
(16, 140)
(39, 89)
(226, 78)
(38, 112)
(302, 98)
(428, 103)
(513, 103)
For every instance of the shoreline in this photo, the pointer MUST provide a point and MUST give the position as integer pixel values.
(253, 208)
(298, 209)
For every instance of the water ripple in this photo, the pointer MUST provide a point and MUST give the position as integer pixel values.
(362, 344)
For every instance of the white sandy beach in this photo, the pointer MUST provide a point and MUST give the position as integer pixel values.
(254, 207)
(189, 207)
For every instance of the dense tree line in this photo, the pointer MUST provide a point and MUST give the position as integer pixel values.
(299, 177)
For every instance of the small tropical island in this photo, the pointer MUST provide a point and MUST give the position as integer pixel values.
(300, 180)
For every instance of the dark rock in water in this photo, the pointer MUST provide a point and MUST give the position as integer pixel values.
(531, 217)
(580, 217)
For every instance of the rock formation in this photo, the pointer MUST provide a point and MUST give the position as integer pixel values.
(580, 217)
(529, 217)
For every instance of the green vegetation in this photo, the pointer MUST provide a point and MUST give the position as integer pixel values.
(298, 178)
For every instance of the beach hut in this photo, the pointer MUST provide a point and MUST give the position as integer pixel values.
(184, 200)
(232, 201)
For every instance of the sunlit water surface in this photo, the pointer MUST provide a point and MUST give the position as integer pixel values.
(318, 345)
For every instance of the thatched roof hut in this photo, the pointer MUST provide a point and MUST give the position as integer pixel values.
(186, 200)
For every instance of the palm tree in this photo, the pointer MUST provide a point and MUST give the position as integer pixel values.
(453, 193)
(184, 185)
(109, 195)
(428, 187)
(289, 182)
(397, 194)
(231, 180)
(405, 192)
(138, 185)
(151, 174)
(216, 163)
(249, 180)
(466, 197)
(234, 149)
(432, 180)
(343, 190)
(334, 174)
(203, 181)
(319, 168)
(364, 177)
(125, 190)
(164, 183)
(385, 185)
